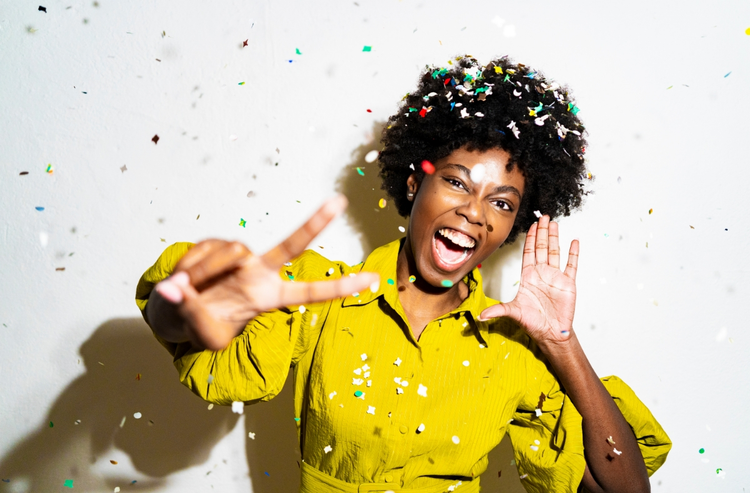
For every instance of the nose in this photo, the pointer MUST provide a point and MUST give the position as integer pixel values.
(472, 210)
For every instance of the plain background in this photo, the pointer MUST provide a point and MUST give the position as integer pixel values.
(84, 87)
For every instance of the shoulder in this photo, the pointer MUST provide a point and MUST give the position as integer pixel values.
(312, 266)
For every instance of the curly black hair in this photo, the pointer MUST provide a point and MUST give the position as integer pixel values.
(502, 105)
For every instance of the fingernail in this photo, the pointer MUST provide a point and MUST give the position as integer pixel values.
(337, 204)
(375, 286)
(169, 291)
(180, 279)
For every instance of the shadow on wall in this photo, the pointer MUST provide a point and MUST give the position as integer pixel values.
(176, 430)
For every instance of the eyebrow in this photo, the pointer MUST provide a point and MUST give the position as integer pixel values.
(499, 189)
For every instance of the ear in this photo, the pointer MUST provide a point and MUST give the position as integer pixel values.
(412, 186)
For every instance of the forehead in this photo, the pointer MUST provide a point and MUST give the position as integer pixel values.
(495, 163)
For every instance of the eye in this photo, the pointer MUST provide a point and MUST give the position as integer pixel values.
(503, 205)
(455, 183)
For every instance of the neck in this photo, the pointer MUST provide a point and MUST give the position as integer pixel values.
(421, 301)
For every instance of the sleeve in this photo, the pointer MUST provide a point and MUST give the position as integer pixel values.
(547, 436)
(255, 365)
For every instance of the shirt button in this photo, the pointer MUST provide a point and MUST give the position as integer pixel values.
(403, 429)
(388, 478)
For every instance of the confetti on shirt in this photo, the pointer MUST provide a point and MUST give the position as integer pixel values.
(397, 363)
(363, 356)
(420, 428)
(402, 229)
(332, 395)
(327, 449)
(242, 222)
(456, 440)
(371, 410)
(422, 390)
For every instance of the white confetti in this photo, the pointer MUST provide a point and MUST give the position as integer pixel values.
(397, 380)
(327, 449)
(358, 371)
(464, 113)
(534, 448)
(371, 156)
(361, 396)
(363, 356)
(420, 428)
(302, 309)
(477, 173)
(422, 390)
(122, 422)
(330, 271)
(397, 362)
(365, 367)
(402, 229)
(617, 452)
(210, 379)
(210, 406)
(287, 264)
(251, 435)
(456, 440)
(523, 477)
(369, 383)
(479, 114)
(399, 390)
(404, 383)
(238, 407)
(512, 126)
(357, 381)
(137, 415)
(466, 363)
(332, 395)
(412, 166)
(538, 412)
(367, 374)
(538, 214)
(371, 410)
(117, 489)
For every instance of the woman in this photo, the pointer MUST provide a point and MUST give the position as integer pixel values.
(406, 375)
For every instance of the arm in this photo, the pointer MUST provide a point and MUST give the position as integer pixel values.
(545, 306)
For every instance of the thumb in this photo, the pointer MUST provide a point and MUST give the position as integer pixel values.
(495, 311)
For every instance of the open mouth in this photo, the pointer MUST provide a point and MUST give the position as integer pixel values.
(452, 248)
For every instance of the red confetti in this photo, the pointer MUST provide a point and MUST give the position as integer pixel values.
(155, 139)
(479, 266)
(428, 167)
(138, 376)
(446, 81)
(369, 111)
(423, 112)
(244, 43)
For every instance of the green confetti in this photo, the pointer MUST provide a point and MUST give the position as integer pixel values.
(573, 108)
(242, 222)
(367, 48)
(359, 170)
(68, 483)
(701, 451)
(51, 424)
(446, 283)
(391, 282)
(719, 470)
(291, 277)
(358, 393)
(296, 419)
(298, 52)
(241, 83)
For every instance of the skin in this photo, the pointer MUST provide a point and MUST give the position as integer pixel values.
(219, 286)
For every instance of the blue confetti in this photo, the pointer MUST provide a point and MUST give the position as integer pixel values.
(452, 105)
(727, 74)
(39, 208)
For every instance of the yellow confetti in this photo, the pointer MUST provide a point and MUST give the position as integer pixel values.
(382, 203)
(650, 211)
(50, 169)
(113, 462)
(747, 31)
(498, 70)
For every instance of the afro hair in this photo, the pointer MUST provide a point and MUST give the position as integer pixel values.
(501, 105)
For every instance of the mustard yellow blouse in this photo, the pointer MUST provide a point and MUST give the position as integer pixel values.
(373, 405)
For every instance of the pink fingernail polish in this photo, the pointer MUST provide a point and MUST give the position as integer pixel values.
(180, 279)
(169, 291)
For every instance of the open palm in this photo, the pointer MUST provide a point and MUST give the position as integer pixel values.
(545, 302)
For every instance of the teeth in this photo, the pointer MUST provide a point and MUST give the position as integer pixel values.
(459, 239)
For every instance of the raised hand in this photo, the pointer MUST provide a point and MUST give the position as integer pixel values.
(546, 297)
(218, 286)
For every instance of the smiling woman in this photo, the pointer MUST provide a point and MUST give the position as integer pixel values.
(415, 312)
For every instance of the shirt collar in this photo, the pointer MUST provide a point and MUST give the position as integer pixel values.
(384, 259)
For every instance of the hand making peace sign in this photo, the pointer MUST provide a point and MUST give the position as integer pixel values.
(218, 286)
(546, 297)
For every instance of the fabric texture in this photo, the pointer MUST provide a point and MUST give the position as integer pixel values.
(377, 406)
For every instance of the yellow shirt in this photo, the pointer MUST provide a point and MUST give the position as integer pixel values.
(373, 405)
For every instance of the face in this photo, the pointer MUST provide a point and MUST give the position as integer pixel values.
(462, 213)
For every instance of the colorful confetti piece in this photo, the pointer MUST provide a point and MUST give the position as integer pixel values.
(242, 222)
(412, 278)
(428, 167)
(382, 203)
(367, 48)
(68, 483)
(359, 170)
(446, 283)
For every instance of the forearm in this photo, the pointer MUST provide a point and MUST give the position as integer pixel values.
(164, 319)
(612, 467)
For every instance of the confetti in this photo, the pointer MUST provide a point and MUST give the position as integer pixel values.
(371, 156)
(412, 278)
(747, 31)
(244, 43)
(727, 75)
(302, 309)
(50, 170)
(382, 203)
(68, 483)
(238, 407)
(297, 51)
(455, 439)
(327, 449)
(23, 173)
(359, 394)
(113, 462)
(39, 208)
(420, 428)
(361, 173)
(428, 167)
(251, 435)
(617, 452)
(210, 406)
(123, 168)
(210, 379)
(446, 283)
(650, 211)
(397, 363)
(371, 410)
(466, 363)
(391, 282)
(422, 390)
(402, 229)
(538, 214)
(117, 489)
(137, 415)
(44, 9)
(332, 395)
(477, 173)
(122, 421)
(700, 451)
(612, 442)
(363, 356)
(155, 139)
(51, 424)
(367, 48)
(241, 83)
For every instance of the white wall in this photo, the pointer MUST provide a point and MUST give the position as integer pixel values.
(81, 88)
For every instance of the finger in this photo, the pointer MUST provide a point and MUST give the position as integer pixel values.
(529, 257)
(296, 243)
(197, 252)
(542, 240)
(554, 245)
(219, 260)
(572, 268)
(494, 311)
(169, 288)
(203, 329)
(298, 293)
